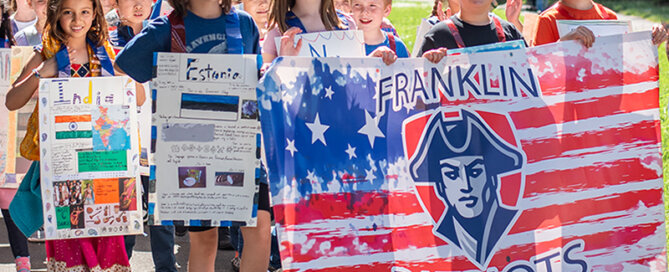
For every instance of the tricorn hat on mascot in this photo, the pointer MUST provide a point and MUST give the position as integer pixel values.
(467, 136)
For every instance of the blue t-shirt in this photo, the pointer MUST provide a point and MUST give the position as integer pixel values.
(400, 48)
(202, 36)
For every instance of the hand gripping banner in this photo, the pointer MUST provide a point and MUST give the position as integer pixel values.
(537, 159)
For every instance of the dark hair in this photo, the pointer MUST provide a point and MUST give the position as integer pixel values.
(6, 31)
(181, 6)
(97, 33)
(277, 16)
(435, 6)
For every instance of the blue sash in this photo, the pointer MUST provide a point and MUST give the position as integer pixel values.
(63, 60)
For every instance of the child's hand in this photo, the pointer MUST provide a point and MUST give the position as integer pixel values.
(288, 45)
(386, 54)
(581, 34)
(95, 62)
(48, 68)
(659, 34)
(513, 8)
(435, 55)
(441, 15)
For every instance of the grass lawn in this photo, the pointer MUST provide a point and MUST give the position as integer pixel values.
(406, 16)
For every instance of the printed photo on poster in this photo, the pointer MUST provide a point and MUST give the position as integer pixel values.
(87, 192)
(230, 179)
(128, 194)
(77, 216)
(201, 106)
(192, 177)
(250, 109)
(105, 215)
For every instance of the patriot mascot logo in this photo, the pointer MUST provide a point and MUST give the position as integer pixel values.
(466, 166)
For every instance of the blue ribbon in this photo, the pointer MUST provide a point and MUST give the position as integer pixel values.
(63, 60)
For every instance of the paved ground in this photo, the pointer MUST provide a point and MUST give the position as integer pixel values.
(141, 260)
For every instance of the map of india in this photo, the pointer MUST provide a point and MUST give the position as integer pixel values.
(110, 128)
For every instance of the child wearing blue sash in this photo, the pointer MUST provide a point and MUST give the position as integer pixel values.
(204, 26)
(74, 45)
(289, 18)
(132, 15)
(369, 15)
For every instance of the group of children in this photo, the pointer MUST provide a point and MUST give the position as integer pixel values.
(79, 29)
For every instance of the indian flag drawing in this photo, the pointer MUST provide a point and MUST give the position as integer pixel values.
(73, 127)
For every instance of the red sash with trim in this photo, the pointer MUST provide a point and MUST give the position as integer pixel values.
(458, 39)
(391, 42)
(233, 35)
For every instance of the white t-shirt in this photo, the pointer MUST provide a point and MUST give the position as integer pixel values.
(21, 25)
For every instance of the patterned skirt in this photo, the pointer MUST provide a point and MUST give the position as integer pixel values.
(87, 254)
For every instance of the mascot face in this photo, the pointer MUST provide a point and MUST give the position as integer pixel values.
(463, 179)
(460, 163)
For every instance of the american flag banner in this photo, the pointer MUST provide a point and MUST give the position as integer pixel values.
(539, 159)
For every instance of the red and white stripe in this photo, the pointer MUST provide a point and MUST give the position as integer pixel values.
(593, 173)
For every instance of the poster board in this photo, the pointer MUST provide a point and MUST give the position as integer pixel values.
(538, 159)
(5, 182)
(337, 43)
(499, 46)
(144, 115)
(207, 137)
(16, 166)
(598, 27)
(423, 28)
(89, 157)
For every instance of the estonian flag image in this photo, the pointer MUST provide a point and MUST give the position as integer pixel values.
(204, 106)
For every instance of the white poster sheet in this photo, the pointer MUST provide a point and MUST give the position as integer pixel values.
(89, 157)
(423, 28)
(338, 43)
(207, 137)
(5, 55)
(598, 27)
(15, 166)
(144, 113)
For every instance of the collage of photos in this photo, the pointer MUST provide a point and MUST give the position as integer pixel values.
(97, 203)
